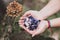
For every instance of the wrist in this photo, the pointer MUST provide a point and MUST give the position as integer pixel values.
(49, 26)
(46, 24)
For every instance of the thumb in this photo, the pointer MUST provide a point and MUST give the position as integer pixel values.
(36, 33)
(33, 35)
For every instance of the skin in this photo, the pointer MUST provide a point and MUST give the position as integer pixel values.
(51, 8)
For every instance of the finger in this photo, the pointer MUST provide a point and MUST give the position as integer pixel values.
(22, 18)
(36, 33)
(21, 24)
(33, 35)
(27, 14)
(21, 21)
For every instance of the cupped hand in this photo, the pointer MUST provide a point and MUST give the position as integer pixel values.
(41, 27)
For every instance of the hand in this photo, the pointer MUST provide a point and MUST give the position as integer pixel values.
(42, 26)
(35, 14)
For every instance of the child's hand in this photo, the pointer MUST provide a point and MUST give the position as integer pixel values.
(41, 27)
(35, 14)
